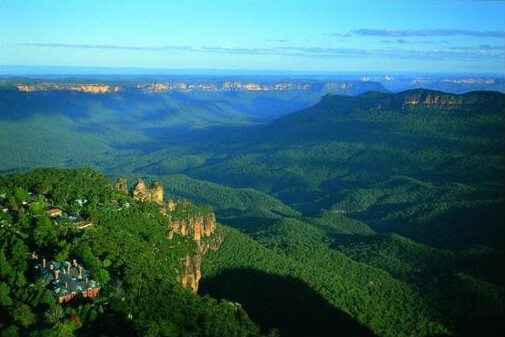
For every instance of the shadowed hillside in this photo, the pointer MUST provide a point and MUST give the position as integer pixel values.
(282, 302)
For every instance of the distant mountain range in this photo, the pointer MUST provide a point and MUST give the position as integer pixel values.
(349, 87)
(350, 84)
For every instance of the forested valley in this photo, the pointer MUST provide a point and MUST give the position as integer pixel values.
(371, 214)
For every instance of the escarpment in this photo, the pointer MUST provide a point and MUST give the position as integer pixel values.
(186, 219)
(88, 88)
(418, 98)
(199, 224)
(446, 101)
(196, 226)
(198, 86)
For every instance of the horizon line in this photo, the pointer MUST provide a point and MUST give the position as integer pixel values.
(71, 70)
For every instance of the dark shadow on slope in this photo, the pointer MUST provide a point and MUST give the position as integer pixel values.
(280, 302)
(478, 222)
(243, 221)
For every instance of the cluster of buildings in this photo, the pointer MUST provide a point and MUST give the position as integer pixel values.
(65, 279)
(57, 213)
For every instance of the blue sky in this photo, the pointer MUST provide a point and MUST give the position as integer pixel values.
(318, 36)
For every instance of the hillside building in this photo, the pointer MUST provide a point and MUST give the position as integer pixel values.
(65, 280)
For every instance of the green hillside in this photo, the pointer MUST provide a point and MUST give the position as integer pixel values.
(373, 298)
(397, 167)
(64, 128)
(388, 284)
(243, 208)
(378, 214)
(122, 249)
(344, 138)
(223, 197)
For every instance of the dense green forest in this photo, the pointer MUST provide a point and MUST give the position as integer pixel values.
(125, 249)
(388, 283)
(363, 215)
(305, 274)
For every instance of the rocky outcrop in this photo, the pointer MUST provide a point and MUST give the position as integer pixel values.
(121, 185)
(199, 224)
(156, 192)
(143, 193)
(90, 88)
(140, 191)
(170, 205)
(449, 102)
(430, 99)
(195, 226)
(27, 88)
(191, 272)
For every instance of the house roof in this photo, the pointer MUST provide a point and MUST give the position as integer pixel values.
(67, 282)
(83, 224)
(53, 211)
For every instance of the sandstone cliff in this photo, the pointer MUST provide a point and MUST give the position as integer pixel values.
(194, 226)
(191, 273)
(199, 224)
(434, 99)
(446, 101)
(90, 88)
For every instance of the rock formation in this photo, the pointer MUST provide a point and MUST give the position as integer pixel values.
(170, 205)
(121, 185)
(183, 218)
(199, 224)
(428, 99)
(140, 191)
(195, 226)
(143, 193)
(156, 192)
(191, 273)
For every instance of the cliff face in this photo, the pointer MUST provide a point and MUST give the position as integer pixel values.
(90, 88)
(196, 226)
(424, 98)
(199, 224)
(191, 273)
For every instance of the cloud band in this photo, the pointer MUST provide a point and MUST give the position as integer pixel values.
(468, 53)
(427, 32)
